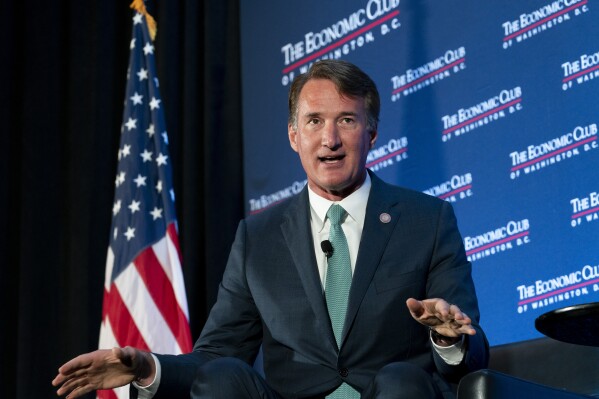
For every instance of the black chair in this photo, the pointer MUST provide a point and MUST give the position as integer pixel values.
(490, 384)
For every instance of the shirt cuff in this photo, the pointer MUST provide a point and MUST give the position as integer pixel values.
(452, 355)
(148, 391)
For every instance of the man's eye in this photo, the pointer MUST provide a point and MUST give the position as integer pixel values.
(347, 120)
(313, 121)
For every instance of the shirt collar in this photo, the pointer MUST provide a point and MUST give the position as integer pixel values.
(354, 204)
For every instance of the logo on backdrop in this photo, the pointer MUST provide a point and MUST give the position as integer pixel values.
(488, 111)
(413, 80)
(581, 70)
(585, 209)
(562, 288)
(394, 151)
(340, 38)
(540, 20)
(501, 239)
(268, 200)
(454, 189)
(539, 156)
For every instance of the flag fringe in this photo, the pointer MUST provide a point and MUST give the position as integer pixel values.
(140, 7)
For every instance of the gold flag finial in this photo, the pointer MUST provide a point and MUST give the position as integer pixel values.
(140, 7)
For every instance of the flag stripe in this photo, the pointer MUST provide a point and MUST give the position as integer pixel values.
(107, 394)
(146, 315)
(163, 294)
(171, 231)
(125, 330)
(109, 266)
(177, 274)
(107, 339)
(167, 254)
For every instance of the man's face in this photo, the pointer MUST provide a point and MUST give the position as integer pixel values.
(331, 139)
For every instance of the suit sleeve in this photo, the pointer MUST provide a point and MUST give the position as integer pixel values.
(233, 328)
(450, 278)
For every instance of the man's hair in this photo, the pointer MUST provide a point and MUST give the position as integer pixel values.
(350, 81)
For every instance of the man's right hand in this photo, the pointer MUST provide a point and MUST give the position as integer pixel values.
(104, 369)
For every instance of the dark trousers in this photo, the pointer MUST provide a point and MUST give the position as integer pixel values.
(230, 378)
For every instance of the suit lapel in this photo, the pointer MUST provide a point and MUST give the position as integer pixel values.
(298, 236)
(375, 238)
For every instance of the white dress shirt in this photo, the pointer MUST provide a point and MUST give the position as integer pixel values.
(355, 206)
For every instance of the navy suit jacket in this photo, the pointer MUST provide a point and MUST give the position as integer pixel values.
(271, 296)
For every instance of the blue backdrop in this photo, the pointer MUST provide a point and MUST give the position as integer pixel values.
(491, 106)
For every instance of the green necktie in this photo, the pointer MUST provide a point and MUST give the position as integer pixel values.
(337, 287)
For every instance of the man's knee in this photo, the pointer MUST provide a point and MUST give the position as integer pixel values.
(402, 380)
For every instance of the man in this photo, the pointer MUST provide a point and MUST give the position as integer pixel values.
(326, 282)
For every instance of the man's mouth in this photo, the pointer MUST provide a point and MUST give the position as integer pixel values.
(331, 159)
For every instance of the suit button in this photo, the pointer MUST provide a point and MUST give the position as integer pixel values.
(343, 372)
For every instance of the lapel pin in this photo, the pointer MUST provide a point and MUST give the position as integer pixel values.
(385, 217)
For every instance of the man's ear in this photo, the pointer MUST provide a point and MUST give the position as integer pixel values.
(373, 136)
(292, 133)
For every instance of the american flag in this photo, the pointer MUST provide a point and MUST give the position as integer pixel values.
(145, 305)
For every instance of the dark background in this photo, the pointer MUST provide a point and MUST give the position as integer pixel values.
(62, 85)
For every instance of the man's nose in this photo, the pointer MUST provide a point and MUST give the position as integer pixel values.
(330, 136)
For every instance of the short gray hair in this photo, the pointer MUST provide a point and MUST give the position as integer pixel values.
(350, 80)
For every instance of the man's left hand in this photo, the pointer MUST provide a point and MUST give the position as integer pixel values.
(444, 318)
